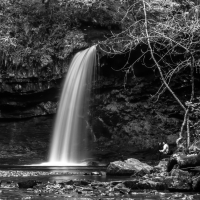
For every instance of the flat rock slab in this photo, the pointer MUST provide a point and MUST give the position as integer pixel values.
(128, 167)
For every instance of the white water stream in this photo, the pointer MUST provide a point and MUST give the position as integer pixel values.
(69, 135)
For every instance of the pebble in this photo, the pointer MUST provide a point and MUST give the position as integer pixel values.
(83, 188)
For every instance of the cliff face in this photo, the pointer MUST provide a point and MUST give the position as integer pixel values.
(25, 141)
(123, 119)
(24, 98)
(28, 106)
(126, 119)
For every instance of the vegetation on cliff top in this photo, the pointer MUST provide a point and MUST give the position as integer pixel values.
(38, 35)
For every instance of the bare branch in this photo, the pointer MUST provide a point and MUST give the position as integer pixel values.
(156, 63)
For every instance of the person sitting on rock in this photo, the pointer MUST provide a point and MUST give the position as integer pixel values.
(165, 149)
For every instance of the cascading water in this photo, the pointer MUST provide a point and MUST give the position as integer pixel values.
(68, 141)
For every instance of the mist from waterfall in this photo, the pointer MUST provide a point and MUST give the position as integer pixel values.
(69, 136)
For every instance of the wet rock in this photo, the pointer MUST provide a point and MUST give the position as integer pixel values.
(119, 168)
(179, 172)
(154, 176)
(87, 189)
(119, 185)
(149, 181)
(196, 183)
(141, 173)
(162, 166)
(103, 173)
(167, 180)
(157, 179)
(189, 160)
(30, 189)
(84, 182)
(132, 184)
(70, 182)
(149, 184)
(79, 191)
(93, 163)
(128, 167)
(180, 182)
(69, 187)
(81, 182)
(86, 174)
(28, 197)
(171, 163)
(180, 186)
(163, 174)
(96, 174)
(99, 184)
(139, 165)
(8, 184)
(77, 183)
(115, 182)
(183, 161)
(27, 184)
(121, 188)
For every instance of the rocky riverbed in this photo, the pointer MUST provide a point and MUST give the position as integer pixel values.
(84, 189)
(142, 182)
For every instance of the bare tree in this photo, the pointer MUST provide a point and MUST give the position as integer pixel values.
(162, 25)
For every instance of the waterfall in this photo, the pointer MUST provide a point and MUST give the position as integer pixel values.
(68, 145)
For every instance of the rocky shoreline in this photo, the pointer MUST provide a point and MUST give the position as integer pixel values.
(142, 178)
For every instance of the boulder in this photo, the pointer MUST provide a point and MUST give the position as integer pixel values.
(180, 181)
(85, 182)
(183, 161)
(171, 163)
(121, 188)
(139, 165)
(149, 184)
(132, 184)
(27, 184)
(96, 173)
(8, 184)
(179, 172)
(113, 183)
(81, 182)
(189, 161)
(128, 167)
(144, 184)
(70, 182)
(180, 185)
(68, 187)
(168, 180)
(161, 167)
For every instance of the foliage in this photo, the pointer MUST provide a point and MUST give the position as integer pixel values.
(103, 13)
(31, 35)
(36, 34)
